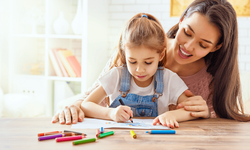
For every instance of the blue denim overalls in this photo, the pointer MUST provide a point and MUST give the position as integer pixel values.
(142, 106)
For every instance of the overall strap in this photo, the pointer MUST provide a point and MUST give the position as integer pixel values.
(125, 81)
(158, 84)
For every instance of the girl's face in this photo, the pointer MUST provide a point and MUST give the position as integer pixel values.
(195, 38)
(142, 64)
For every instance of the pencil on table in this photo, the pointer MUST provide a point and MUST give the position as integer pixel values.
(133, 135)
(49, 133)
(76, 133)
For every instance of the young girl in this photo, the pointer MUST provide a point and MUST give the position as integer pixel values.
(142, 83)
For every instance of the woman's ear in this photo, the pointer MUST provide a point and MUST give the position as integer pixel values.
(216, 47)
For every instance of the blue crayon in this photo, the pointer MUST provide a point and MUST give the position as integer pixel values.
(161, 132)
(101, 130)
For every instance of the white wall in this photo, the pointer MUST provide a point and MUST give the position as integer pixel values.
(4, 45)
(122, 10)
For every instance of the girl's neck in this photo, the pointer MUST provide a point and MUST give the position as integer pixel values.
(143, 83)
(182, 69)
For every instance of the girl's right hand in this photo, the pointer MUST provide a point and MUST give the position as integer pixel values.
(121, 113)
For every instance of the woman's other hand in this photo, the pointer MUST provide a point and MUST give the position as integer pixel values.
(71, 114)
(196, 104)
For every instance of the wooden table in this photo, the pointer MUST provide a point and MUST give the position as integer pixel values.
(21, 133)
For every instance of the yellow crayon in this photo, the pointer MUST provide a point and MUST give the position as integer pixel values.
(133, 134)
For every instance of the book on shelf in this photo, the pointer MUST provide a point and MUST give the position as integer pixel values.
(64, 72)
(55, 64)
(63, 54)
(75, 65)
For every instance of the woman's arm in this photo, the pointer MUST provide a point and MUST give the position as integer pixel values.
(171, 118)
(196, 104)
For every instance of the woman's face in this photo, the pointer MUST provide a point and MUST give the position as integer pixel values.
(195, 38)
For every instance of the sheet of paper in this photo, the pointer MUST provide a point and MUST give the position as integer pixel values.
(89, 123)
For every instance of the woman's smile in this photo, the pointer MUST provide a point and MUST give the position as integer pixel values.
(183, 53)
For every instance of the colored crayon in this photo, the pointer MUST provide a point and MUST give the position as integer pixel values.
(83, 141)
(105, 134)
(49, 133)
(41, 138)
(121, 102)
(101, 130)
(161, 132)
(132, 133)
(76, 133)
(69, 134)
(97, 133)
(69, 138)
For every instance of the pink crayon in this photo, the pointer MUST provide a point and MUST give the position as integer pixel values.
(70, 138)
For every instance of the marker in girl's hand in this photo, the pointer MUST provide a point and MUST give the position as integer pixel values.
(121, 102)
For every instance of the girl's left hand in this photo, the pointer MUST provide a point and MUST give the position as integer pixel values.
(166, 119)
(196, 104)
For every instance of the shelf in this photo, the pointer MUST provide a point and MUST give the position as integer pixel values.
(64, 78)
(66, 36)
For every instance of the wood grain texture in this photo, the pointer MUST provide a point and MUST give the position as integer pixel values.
(21, 134)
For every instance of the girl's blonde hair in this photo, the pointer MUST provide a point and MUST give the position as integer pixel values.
(141, 30)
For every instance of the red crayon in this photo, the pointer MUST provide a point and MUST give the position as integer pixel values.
(49, 133)
(70, 138)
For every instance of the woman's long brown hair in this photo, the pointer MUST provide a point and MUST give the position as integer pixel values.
(223, 63)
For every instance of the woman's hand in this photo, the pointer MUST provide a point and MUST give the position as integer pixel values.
(196, 104)
(72, 112)
(121, 113)
(167, 119)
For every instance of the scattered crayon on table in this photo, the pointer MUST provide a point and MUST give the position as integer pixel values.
(70, 138)
(161, 132)
(105, 134)
(101, 130)
(133, 135)
(76, 133)
(49, 133)
(97, 133)
(41, 138)
(77, 142)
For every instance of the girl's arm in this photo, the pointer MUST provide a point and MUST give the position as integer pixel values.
(171, 118)
(91, 107)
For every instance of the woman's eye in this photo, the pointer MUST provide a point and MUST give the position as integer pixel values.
(203, 46)
(148, 63)
(132, 62)
(186, 33)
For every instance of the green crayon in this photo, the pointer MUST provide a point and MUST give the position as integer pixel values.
(105, 134)
(83, 141)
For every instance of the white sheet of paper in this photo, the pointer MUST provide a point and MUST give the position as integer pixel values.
(90, 123)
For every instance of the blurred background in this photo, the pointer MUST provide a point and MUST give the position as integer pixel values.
(41, 39)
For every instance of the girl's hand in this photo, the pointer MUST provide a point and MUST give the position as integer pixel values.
(121, 113)
(196, 104)
(167, 119)
(72, 112)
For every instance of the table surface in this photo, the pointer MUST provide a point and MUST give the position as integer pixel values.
(21, 133)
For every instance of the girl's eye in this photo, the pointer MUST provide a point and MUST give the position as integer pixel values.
(148, 63)
(186, 33)
(203, 46)
(133, 62)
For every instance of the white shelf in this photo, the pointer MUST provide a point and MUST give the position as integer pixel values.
(28, 51)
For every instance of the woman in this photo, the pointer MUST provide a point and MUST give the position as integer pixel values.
(203, 50)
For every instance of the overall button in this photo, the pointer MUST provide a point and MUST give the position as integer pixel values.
(142, 113)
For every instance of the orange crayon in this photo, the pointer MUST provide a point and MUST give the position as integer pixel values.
(49, 133)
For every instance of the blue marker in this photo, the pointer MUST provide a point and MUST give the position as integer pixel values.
(161, 132)
(101, 130)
